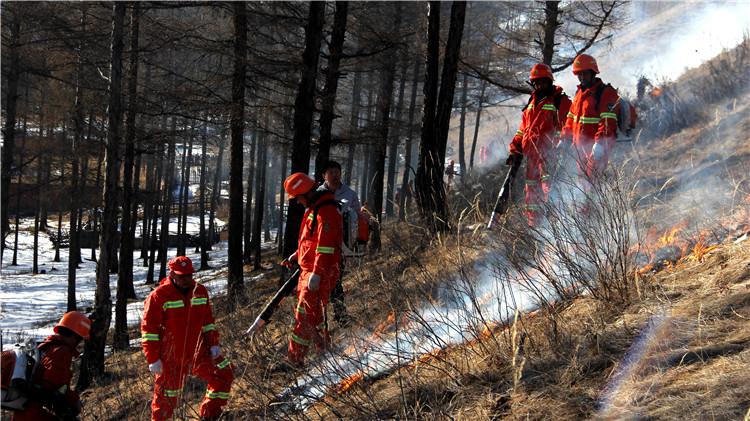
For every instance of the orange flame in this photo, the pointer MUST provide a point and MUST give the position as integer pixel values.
(350, 381)
(700, 250)
(656, 92)
(671, 236)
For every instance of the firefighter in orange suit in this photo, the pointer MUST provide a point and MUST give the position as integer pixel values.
(179, 337)
(319, 257)
(592, 121)
(536, 138)
(49, 394)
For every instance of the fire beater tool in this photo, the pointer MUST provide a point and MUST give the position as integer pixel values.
(503, 198)
(265, 315)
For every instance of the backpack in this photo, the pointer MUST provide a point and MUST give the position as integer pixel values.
(626, 114)
(18, 368)
(352, 229)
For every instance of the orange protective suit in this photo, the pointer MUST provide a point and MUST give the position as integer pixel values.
(53, 375)
(318, 252)
(179, 329)
(536, 139)
(589, 123)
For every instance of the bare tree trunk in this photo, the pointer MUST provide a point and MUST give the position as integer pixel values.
(43, 214)
(182, 240)
(480, 103)
(60, 209)
(215, 193)
(335, 49)
(252, 173)
(551, 12)
(429, 179)
(166, 203)
(35, 256)
(282, 195)
(75, 194)
(151, 261)
(430, 189)
(449, 75)
(235, 281)
(125, 288)
(405, 190)
(269, 198)
(353, 127)
(395, 140)
(147, 201)
(98, 183)
(365, 181)
(181, 196)
(92, 363)
(303, 116)
(9, 131)
(462, 125)
(21, 165)
(368, 148)
(260, 187)
(202, 235)
(83, 183)
(385, 98)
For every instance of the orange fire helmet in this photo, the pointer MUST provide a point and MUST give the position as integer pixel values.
(541, 70)
(181, 265)
(298, 184)
(76, 322)
(584, 62)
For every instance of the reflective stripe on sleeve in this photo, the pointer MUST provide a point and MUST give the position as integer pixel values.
(149, 337)
(173, 304)
(589, 120)
(325, 250)
(223, 364)
(549, 107)
(299, 340)
(608, 115)
(171, 393)
(519, 132)
(210, 394)
(209, 327)
(196, 301)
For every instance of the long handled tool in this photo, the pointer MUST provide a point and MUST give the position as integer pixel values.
(501, 205)
(265, 315)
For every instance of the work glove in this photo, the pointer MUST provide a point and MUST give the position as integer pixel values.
(597, 152)
(512, 158)
(155, 367)
(313, 283)
(215, 351)
(290, 261)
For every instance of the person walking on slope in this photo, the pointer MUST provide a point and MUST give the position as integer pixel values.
(319, 257)
(179, 337)
(332, 177)
(591, 124)
(49, 394)
(537, 137)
